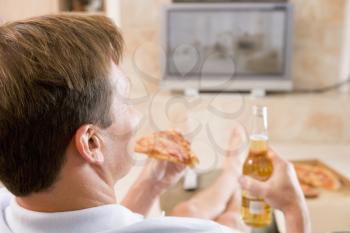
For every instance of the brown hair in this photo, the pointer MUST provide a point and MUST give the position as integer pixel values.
(53, 79)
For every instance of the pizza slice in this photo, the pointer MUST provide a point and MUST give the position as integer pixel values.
(325, 178)
(167, 145)
(317, 176)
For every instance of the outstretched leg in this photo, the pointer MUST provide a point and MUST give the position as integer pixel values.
(212, 202)
(231, 216)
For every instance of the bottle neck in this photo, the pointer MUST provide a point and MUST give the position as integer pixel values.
(259, 134)
(259, 125)
(258, 143)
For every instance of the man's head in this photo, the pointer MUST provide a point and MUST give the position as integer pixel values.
(59, 84)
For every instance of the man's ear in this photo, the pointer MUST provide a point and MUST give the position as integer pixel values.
(88, 144)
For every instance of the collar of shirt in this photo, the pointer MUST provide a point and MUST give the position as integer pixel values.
(91, 220)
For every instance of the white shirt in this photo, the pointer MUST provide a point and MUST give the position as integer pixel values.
(103, 219)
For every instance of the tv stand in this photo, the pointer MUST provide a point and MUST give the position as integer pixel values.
(225, 1)
(258, 92)
(191, 92)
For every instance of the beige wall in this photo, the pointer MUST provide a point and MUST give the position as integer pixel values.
(319, 28)
(19, 9)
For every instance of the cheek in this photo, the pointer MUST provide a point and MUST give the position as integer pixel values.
(118, 153)
(127, 121)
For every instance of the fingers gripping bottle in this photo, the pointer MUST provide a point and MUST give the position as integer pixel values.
(255, 211)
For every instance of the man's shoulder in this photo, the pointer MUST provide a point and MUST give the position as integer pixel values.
(174, 225)
(5, 197)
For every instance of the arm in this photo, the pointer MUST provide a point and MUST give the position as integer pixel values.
(155, 178)
(296, 214)
(282, 191)
(141, 196)
(297, 220)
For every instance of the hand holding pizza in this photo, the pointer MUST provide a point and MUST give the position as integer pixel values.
(170, 153)
(162, 174)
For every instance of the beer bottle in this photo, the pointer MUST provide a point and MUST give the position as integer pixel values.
(255, 211)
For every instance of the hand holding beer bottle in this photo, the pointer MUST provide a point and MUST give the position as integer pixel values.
(270, 182)
(283, 192)
(255, 211)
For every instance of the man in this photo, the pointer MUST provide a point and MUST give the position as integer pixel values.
(65, 125)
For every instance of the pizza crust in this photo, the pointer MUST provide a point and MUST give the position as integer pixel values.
(309, 191)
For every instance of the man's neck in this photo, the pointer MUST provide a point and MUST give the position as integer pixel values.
(82, 190)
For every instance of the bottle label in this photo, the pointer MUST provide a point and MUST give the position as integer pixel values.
(256, 207)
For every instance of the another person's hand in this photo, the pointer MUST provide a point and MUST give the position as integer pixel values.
(162, 174)
(282, 191)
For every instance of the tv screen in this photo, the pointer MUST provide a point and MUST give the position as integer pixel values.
(250, 40)
(217, 41)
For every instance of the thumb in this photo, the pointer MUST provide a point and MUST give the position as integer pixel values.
(255, 187)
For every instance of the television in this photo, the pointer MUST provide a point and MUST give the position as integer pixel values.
(227, 46)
